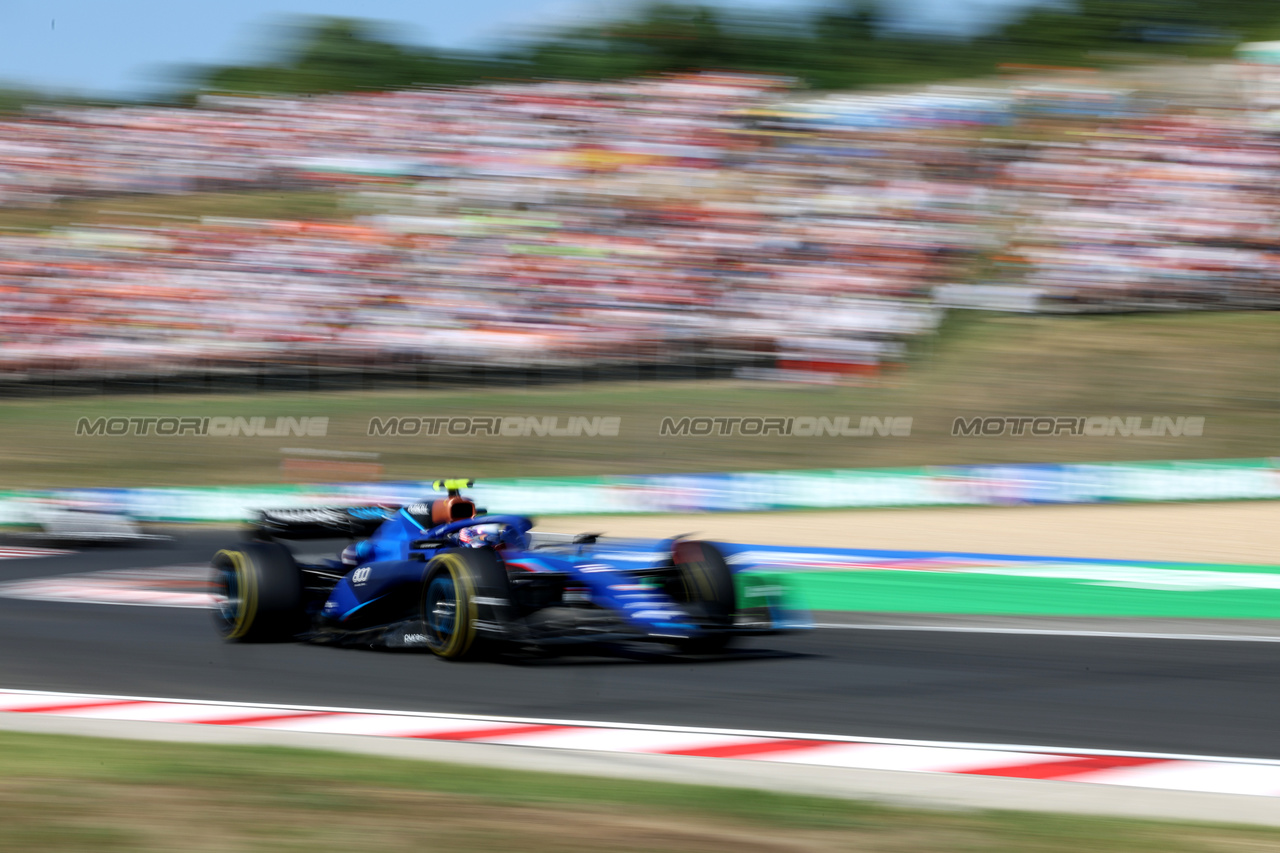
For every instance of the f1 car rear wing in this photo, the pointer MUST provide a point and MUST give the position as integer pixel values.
(321, 522)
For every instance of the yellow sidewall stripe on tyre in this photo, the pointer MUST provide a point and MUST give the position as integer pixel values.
(464, 592)
(248, 583)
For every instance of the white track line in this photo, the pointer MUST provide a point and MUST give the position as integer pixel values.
(1055, 632)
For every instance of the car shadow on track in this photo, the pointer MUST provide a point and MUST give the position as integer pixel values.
(631, 657)
(591, 656)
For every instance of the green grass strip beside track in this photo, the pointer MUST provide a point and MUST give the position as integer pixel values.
(75, 793)
(978, 594)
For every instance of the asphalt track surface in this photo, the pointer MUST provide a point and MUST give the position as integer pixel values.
(1180, 696)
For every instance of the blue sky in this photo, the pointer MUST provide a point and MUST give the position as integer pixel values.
(125, 46)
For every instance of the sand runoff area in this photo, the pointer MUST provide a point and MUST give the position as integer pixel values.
(1237, 532)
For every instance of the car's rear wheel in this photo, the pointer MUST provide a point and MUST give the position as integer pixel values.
(462, 589)
(259, 593)
(703, 583)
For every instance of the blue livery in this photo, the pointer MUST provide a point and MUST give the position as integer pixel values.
(446, 577)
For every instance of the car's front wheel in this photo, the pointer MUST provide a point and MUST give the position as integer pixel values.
(462, 590)
(703, 582)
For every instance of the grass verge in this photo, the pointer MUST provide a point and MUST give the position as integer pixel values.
(71, 793)
(1224, 367)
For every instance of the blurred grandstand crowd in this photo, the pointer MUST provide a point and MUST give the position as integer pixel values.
(1173, 211)
(660, 219)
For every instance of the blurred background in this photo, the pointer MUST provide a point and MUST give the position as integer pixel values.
(898, 215)
(849, 209)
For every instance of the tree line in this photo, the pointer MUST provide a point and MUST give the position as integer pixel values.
(832, 47)
(844, 45)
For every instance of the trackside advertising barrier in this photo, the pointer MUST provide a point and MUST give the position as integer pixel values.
(962, 485)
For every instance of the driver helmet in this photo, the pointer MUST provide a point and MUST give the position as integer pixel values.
(497, 536)
(480, 535)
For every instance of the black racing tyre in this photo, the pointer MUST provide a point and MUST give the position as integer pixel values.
(463, 588)
(704, 583)
(260, 592)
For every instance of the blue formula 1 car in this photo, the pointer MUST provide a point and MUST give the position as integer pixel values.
(441, 576)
